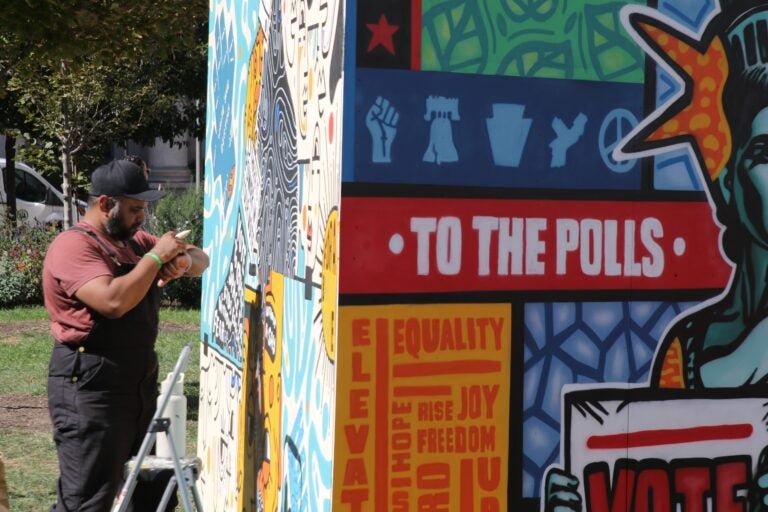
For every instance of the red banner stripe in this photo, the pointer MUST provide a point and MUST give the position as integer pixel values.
(414, 245)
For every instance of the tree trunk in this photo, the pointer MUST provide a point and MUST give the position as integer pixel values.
(66, 156)
(9, 179)
(66, 186)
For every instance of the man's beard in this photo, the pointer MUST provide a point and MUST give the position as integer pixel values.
(117, 229)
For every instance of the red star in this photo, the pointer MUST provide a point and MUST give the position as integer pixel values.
(382, 34)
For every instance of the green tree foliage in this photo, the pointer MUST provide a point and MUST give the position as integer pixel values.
(23, 248)
(12, 120)
(175, 212)
(90, 74)
(70, 30)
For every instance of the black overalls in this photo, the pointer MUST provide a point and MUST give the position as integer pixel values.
(101, 397)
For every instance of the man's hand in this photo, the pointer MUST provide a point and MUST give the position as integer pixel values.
(758, 496)
(168, 247)
(174, 269)
(561, 491)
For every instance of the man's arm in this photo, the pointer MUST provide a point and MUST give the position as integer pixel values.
(113, 297)
(190, 263)
(199, 261)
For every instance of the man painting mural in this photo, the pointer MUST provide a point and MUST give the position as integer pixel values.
(723, 113)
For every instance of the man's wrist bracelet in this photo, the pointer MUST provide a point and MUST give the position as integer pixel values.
(156, 258)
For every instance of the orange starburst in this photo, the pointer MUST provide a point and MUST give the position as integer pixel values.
(699, 113)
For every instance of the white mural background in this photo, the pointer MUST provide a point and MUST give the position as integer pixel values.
(272, 189)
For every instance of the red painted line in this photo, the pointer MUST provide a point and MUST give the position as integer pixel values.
(465, 367)
(663, 437)
(401, 391)
(415, 35)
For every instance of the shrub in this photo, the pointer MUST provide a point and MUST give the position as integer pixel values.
(22, 251)
(178, 211)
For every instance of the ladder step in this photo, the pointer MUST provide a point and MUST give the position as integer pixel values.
(153, 463)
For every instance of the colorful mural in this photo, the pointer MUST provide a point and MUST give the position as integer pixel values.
(273, 178)
(481, 256)
(444, 440)
(508, 154)
(575, 40)
(702, 449)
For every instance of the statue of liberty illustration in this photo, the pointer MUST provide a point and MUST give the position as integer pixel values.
(722, 114)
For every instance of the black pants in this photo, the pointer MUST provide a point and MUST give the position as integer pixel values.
(100, 407)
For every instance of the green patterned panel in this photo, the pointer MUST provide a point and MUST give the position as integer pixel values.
(572, 39)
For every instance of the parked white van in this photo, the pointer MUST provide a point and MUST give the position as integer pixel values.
(38, 203)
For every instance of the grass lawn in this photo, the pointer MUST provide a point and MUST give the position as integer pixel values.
(25, 347)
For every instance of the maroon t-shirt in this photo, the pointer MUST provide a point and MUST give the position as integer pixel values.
(73, 259)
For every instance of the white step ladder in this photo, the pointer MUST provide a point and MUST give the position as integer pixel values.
(185, 471)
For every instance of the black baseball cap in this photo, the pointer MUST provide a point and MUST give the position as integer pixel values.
(124, 179)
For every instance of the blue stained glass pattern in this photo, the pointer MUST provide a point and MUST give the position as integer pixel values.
(568, 343)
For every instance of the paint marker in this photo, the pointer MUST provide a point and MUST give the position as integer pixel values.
(183, 234)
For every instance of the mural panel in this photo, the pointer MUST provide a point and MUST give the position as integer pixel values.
(423, 413)
(433, 128)
(272, 187)
(217, 434)
(508, 153)
(586, 177)
(440, 245)
(705, 360)
(575, 40)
